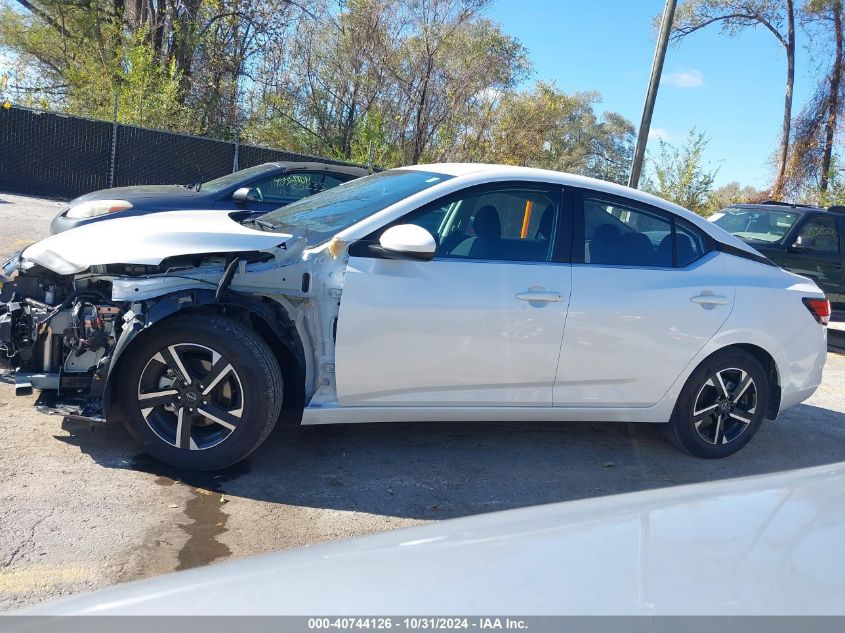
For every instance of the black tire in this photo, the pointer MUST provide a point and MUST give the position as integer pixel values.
(228, 418)
(724, 392)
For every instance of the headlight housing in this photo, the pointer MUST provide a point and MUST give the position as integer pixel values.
(94, 208)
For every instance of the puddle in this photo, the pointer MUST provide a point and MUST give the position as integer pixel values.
(209, 522)
(205, 509)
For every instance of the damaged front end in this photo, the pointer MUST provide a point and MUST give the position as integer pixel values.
(65, 322)
(56, 333)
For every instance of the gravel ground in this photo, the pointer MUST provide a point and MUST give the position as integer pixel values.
(24, 220)
(82, 508)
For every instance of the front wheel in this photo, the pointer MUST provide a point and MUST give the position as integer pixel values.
(201, 393)
(721, 406)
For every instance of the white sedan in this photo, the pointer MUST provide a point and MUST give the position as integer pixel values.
(434, 292)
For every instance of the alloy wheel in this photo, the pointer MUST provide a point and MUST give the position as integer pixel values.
(725, 406)
(190, 396)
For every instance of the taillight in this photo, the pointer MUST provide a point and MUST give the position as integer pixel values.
(820, 309)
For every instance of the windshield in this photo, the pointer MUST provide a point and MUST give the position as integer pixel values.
(756, 224)
(326, 213)
(218, 184)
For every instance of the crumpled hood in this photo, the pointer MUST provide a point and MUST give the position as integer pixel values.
(147, 239)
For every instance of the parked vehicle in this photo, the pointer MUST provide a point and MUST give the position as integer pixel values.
(254, 191)
(806, 240)
(778, 537)
(424, 293)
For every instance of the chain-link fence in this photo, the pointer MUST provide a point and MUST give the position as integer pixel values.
(57, 155)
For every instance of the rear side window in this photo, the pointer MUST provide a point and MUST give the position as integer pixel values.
(621, 234)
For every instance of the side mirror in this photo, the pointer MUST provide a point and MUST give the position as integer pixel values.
(407, 241)
(244, 194)
(804, 241)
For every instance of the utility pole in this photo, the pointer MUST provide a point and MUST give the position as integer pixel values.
(651, 95)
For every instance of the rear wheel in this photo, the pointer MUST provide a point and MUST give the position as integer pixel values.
(721, 406)
(201, 393)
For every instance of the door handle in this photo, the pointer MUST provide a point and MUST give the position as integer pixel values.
(534, 295)
(709, 300)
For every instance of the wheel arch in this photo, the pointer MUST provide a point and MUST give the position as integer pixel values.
(769, 365)
(266, 318)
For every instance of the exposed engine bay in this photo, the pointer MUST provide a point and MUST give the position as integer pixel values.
(57, 331)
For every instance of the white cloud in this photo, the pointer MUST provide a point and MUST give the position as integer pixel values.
(659, 133)
(685, 79)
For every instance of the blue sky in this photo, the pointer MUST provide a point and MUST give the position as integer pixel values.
(730, 87)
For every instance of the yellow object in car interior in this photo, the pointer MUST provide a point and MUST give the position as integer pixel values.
(526, 219)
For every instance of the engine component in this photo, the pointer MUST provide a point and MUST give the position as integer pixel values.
(89, 335)
(17, 328)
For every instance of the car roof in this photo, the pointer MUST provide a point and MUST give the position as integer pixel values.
(777, 206)
(349, 170)
(548, 175)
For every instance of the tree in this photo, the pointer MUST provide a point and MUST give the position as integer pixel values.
(446, 62)
(816, 127)
(729, 194)
(835, 192)
(734, 16)
(332, 77)
(388, 81)
(680, 176)
(85, 52)
(832, 10)
(411, 81)
(547, 128)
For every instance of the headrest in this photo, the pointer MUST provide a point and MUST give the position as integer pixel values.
(487, 224)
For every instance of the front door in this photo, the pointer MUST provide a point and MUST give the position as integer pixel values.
(816, 253)
(479, 325)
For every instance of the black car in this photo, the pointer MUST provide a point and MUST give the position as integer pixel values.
(806, 240)
(255, 191)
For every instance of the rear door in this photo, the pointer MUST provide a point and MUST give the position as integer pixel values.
(646, 296)
(480, 324)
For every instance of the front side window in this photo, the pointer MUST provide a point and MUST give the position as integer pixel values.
(819, 234)
(289, 187)
(621, 234)
(506, 224)
(331, 181)
(219, 184)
